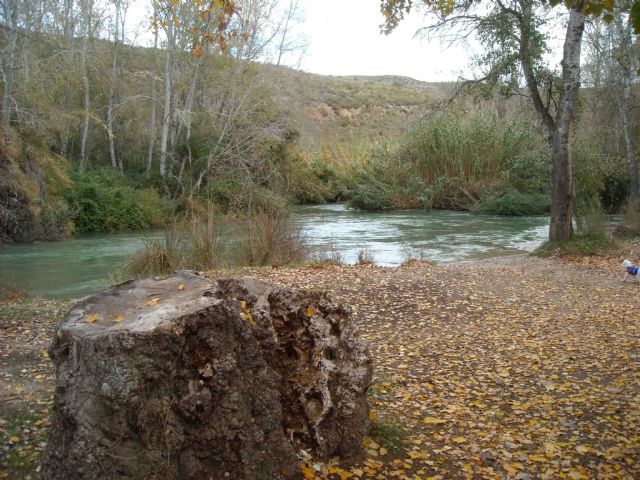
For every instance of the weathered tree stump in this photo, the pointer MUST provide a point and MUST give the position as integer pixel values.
(188, 378)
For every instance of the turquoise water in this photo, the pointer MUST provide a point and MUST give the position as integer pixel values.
(82, 264)
(441, 236)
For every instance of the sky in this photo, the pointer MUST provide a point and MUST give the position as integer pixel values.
(345, 39)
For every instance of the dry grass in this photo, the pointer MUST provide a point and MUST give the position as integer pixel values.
(269, 238)
(158, 257)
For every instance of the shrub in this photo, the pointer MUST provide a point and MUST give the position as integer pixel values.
(364, 257)
(448, 161)
(330, 256)
(106, 201)
(56, 220)
(158, 256)
(599, 177)
(269, 238)
(591, 221)
(207, 240)
(515, 203)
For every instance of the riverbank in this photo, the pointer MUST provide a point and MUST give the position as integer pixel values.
(513, 367)
(82, 264)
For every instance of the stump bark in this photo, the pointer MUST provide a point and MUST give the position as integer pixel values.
(189, 378)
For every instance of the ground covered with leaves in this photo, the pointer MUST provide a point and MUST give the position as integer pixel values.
(512, 368)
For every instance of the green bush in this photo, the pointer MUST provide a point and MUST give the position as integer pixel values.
(514, 203)
(386, 181)
(104, 201)
(56, 220)
(449, 160)
(599, 177)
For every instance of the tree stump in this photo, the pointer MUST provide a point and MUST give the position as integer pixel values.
(189, 378)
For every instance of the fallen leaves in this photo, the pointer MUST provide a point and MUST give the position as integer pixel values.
(246, 312)
(434, 421)
(90, 318)
(495, 374)
(489, 373)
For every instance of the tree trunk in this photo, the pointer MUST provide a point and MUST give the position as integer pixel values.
(10, 63)
(233, 376)
(628, 65)
(112, 86)
(285, 30)
(561, 224)
(85, 86)
(191, 98)
(153, 126)
(625, 113)
(167, 105)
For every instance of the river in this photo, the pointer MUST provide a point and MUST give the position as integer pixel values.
(81, 264)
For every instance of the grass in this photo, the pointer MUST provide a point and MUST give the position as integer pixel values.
(364, 257)
(210, 240)
(158, 257)
(580, 246)
(449, 160)
(328, 257)
(24, 438)
(387, 433)
(269, 238)
(207, 240)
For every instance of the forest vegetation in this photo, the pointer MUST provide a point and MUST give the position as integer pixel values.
(101, 134)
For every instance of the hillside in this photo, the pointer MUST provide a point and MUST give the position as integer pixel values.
(330, 109)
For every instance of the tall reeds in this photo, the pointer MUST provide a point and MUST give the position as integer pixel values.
(209, 240)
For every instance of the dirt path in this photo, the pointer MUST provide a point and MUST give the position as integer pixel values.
(512, 368)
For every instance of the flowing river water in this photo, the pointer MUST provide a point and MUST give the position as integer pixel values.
(81, 264)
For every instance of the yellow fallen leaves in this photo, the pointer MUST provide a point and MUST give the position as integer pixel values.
(538, 459)
(92, 317)
(343, 474)
(118, 319)
(182, 286)
(307, 472)
(433, 421)
(458, 440)
(445, 371)
(153, 301)
(577, 475)
(418, 455)
(246, 313)
(583, 449)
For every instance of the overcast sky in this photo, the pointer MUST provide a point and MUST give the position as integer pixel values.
(345, 39)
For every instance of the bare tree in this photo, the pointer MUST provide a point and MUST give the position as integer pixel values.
(10, 20)
(290, 41)
(89, 27)
(153, 123)
(613, 64)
